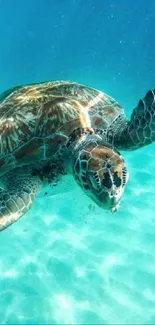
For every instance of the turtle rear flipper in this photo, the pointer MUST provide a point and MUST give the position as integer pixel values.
(140, 130)
(17, 197)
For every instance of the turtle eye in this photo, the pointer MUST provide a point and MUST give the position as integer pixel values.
(106, 181)
(117, 180)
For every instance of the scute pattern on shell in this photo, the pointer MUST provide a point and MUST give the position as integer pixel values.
(42, 110)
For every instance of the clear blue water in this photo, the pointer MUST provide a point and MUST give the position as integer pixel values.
(68, 261)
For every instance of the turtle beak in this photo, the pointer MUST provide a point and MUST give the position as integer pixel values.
(114, 201)
(115, 207)
(109, 201)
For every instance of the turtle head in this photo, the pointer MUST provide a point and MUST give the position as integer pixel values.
(101, 172)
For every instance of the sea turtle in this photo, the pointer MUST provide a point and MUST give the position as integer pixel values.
(51, 128)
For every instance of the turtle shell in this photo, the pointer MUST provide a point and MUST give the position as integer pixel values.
(36, 119)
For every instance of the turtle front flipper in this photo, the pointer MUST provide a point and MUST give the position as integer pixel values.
(140, 130)
(18, 195)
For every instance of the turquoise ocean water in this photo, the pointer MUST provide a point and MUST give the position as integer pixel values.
(67, 261)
